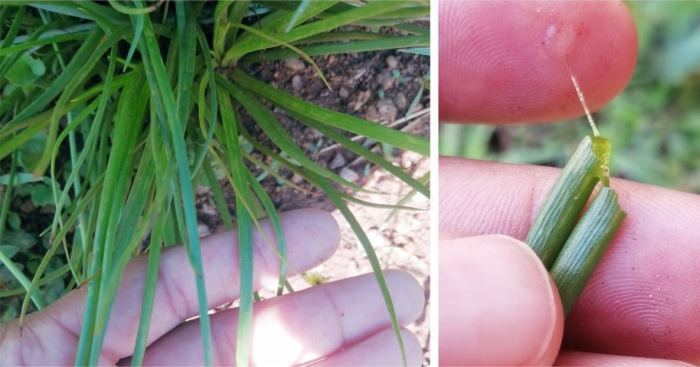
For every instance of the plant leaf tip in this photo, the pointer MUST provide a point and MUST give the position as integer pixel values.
(583, 103)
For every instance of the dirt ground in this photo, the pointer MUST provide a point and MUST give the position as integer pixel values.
(403, 241)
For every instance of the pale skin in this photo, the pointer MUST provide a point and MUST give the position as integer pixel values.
(345, 322)
(642, 303)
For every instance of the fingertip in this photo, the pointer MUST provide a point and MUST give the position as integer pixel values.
(503, 308)
(504, 61)
(408, 295)
(312, 235)
(414, 351)
(575, 358)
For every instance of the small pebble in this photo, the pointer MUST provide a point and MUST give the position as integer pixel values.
(391, 62)
(297, 179)
(349, 174)
(316, 134)
(401, 101)
(202, 230)
(343, 93)
(411, 68)
(387, 110)
(296, 82)
(203, 190)
(362, 98)
(386, 79)
(372, 114)
(360, 73)
(337, 162)
(295, 64)
(209, 210)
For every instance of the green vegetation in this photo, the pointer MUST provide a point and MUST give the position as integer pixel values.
(585, 247)
(654, 125)
(571, 250)
(112, 115)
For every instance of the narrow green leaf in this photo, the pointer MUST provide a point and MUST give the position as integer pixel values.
(287, 45)
(277, 21)
(221, 27)
(278, 134)
(12, 33)
(271, 171)
(89, 143)
(353, 124)
(379, 206)
(187, 50)
(75, 9)
(341, 36)
(425, 51)
(77, 77)
(128, 120)
(4, 13)
(161, 90)
(157, 213)
(276, 225)
(138, 28)
(568, 196)
(585, 247)
(240, 8)
(42, 41)
(423, 180)
(149, 288)
(245, 230)
(131, 11)
(212, 112)
(248, 45)
(362, 151)
(369, 250)
(383, 43)
(221, 204)
(303, 5)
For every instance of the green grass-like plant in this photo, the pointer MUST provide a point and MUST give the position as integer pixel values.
(142, 98)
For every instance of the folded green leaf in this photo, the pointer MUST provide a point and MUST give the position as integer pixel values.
(567, 198)
(586, 245)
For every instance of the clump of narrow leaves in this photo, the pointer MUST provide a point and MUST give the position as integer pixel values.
(144, 98)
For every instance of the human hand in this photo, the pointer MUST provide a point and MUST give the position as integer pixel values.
(345, 321)
(643, 298)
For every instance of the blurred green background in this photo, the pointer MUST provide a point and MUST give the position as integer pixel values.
(654, 125)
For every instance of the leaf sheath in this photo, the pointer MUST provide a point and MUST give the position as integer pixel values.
(568, 196)
(586, 245)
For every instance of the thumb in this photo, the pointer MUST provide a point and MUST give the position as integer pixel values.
(498, 304)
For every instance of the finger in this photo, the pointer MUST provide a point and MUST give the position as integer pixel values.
(378, 350)
(569, 358)
(300, 327)
(505, 61)
(642, 299)
(499, 306)
(312, 236)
